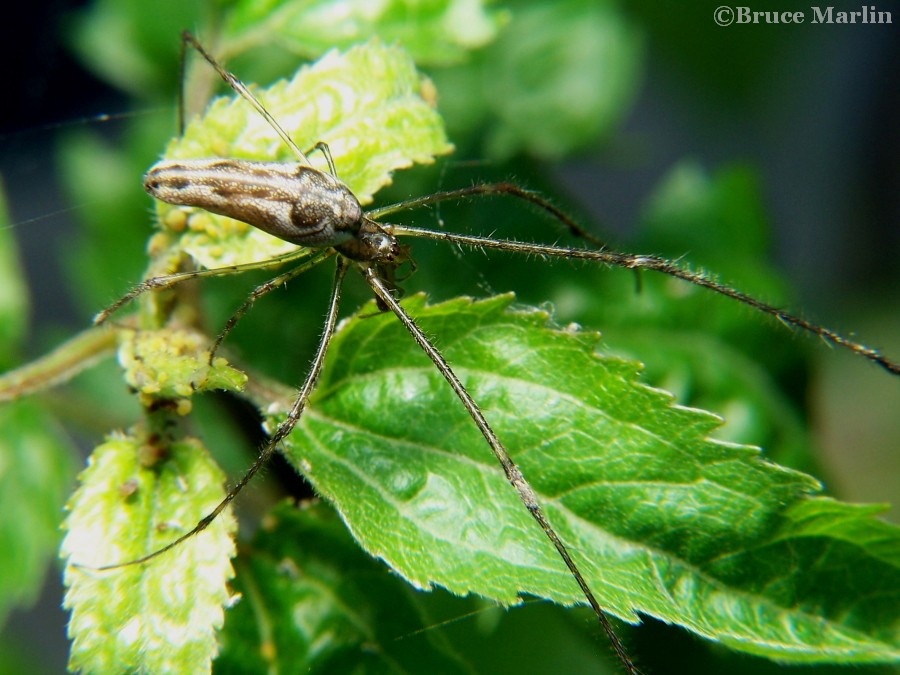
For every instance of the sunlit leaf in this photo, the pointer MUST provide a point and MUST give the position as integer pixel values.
(662, 520)
(159, 617)
(173, 364)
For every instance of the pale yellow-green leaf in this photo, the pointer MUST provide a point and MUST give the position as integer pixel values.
(160, 616)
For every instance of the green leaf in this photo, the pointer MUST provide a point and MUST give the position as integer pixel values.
(132, 45)
(662, 520)
(369, 105)
(35, 477)
(172, 364)
(312, 601)
(561, 76)
(160, 617)
(434, 32)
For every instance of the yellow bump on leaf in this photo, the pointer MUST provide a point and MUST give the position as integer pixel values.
(171, 363)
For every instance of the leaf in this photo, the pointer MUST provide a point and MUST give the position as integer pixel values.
(561, 76)
(171, 364)
(35, 477)
(131, 44)
(433, 32)
(369, 105)
(312, 601)
(160, 617)
(661, 519)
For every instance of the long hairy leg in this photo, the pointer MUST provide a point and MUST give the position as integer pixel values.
(283, 430)
(501, 188)
(170, 280)
(654, 263)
